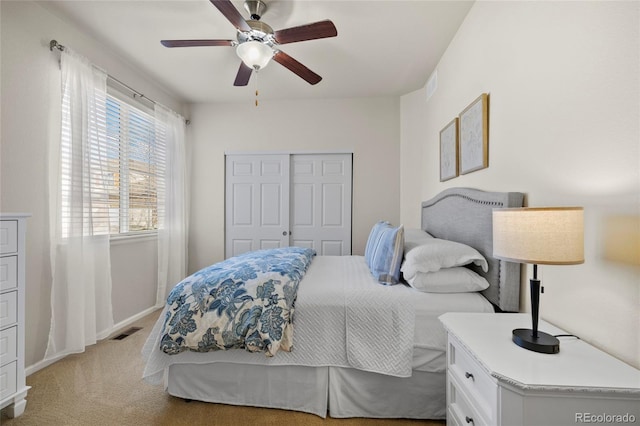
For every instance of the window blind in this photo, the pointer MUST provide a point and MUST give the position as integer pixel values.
(121, 170)
(139, 168)
(85, 183)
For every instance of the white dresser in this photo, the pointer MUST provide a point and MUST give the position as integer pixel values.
(13, 388)
(492, 381)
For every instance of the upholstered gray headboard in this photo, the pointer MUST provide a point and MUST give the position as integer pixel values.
(465, 215)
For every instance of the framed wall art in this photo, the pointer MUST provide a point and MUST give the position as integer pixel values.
(474, 135)
(449, 151)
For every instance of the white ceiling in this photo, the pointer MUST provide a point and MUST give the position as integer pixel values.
(383, 47)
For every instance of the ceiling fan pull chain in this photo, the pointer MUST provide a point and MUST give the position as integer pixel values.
(257, 73)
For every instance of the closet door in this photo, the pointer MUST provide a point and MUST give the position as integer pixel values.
(277, 200)
(256, 203)
(321, 202)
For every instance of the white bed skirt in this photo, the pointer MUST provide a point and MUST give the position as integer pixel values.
(335, 391)
(356, 393)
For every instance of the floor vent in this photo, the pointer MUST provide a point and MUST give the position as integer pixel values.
(127, 333)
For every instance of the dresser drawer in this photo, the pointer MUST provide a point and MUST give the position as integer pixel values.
(8, 236)
(8, 345)
(8, 272)
(461, 411)
(8, 379)
(481, 388)
(8, 308)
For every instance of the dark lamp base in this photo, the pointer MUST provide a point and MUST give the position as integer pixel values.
(544, 343)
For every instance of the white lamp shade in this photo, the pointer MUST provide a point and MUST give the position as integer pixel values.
(550, 235)
(254, 54)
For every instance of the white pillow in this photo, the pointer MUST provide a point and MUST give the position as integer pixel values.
(414, 237)
(450, 280)
(436, 254)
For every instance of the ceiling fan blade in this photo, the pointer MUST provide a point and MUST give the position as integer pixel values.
(194, 43)
(322, 29)
(231, 13)
(244, 73)
(296, 67)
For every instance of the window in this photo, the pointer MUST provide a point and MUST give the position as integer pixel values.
(123, 167)
(136, 168)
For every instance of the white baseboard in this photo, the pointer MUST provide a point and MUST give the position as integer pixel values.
(122, 324)
(42, 364)
(116, 328)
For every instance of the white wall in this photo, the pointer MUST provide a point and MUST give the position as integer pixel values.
(563, 80)
(369, 128)
(564, 85)
(30, 85)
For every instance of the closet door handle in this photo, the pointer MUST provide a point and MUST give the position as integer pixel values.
(284, 233)
(469, 419)
(469, 376)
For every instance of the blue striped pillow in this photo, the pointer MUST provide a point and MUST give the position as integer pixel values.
(373, 240)
(383, 252)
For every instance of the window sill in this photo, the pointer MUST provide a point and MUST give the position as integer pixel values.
(132, 237)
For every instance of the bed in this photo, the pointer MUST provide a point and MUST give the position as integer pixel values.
(360, 349)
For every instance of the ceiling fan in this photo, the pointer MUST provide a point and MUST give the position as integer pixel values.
(257, 43)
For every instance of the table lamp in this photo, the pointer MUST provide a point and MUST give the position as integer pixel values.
(540, 236)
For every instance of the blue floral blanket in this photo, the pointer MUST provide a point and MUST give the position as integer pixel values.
(246, 301)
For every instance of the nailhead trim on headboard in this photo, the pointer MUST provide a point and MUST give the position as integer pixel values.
(483, 202)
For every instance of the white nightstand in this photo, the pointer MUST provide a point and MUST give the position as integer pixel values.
(492, 381)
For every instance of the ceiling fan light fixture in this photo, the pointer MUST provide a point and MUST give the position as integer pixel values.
(255, 54)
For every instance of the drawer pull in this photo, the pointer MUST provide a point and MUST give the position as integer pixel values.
(469, 419)
(469, 376)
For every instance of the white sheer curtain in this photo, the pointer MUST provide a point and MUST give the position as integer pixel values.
(81, 311)
(173, 213)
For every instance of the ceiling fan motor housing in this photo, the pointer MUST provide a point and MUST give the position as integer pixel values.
(259, 32)
(255, 8)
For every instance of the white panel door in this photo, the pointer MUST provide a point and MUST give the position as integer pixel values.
(321, 202)
(256, 203)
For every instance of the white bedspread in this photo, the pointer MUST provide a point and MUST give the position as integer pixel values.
(342, 318)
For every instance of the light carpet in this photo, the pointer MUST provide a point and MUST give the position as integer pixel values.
(104, 386)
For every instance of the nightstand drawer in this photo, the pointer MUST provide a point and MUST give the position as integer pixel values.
(8, 345)
(8, 236)
(8, 272)
(481, 388)
(8, 308)
(461, 410)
